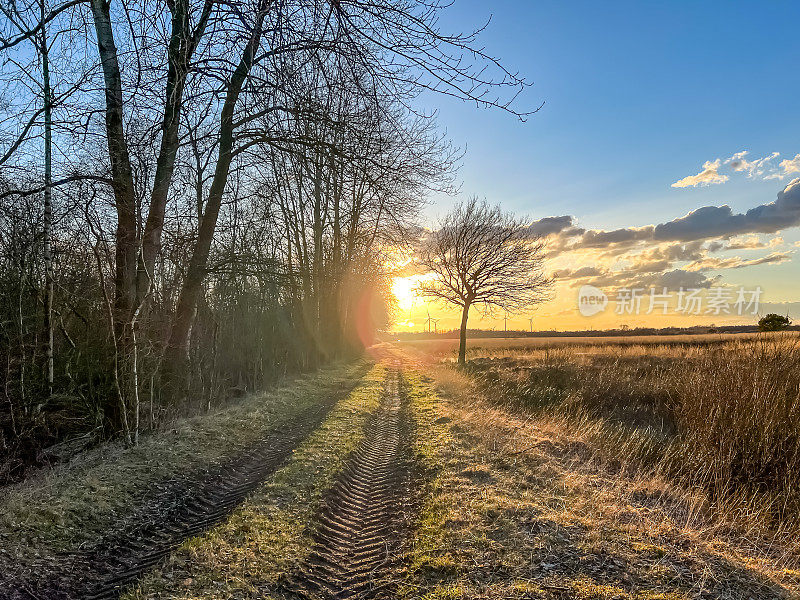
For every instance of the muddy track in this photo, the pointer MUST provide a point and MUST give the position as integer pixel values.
(362, 520)
(184, 508)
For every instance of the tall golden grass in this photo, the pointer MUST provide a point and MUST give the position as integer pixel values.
(723, 417)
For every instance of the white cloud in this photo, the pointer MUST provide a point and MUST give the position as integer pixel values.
(790, 165)
(759, 167)
(708, 176)
(766, 167)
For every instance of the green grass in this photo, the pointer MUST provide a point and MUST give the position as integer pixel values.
(75, 503)
(271, 532)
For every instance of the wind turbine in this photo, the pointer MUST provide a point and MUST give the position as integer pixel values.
(429, 319)
(530, 320)
(435, 329)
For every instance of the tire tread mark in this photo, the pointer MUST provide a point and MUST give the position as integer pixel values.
(191, 506)
(360, 523)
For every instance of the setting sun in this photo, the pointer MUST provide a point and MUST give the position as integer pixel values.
(403, 290)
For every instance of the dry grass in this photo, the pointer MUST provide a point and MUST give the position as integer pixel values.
(723, 418)
(521, 506)
(502, 346)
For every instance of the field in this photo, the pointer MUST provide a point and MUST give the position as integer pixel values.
(718, 414)
(626, 469)
(441, 348)
(700, 429)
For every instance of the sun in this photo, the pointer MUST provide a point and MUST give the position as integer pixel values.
(403, 290)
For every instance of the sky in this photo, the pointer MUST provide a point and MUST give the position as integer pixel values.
(651, 111)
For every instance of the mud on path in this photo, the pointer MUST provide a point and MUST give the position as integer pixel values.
(182, 509)
(364, 517)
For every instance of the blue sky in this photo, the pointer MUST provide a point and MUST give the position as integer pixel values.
(638, 95)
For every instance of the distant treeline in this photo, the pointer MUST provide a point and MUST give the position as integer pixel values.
(520, 333)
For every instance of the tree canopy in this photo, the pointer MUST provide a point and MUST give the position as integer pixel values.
(482, 256)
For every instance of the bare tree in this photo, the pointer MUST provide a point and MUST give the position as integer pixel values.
(225, 186)
(15, 18)
(483, 256)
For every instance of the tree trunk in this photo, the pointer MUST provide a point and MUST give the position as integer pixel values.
(177, 347)
(125, 200)
(182, 45)
(462, 345)
(48, 206)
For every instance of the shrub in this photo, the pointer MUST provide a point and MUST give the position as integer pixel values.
(773, 322)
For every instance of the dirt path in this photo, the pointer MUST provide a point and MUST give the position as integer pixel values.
(416, 486)
(362, 520)
(183, 509)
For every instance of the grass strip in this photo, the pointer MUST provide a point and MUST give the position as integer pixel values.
(271, 532)
(75, 503)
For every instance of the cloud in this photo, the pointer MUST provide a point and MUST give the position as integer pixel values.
(553, 225)
(720, 221)
(688, 234)
(676, 279)
(716, 246)
(708, 176)
(624, 237)
(760, 167)
(704, 222)
(566, 274)
(672, 280)
(675, 251)
(775, 258)
(699, 225)
(790, 165)
(673, 254)
(662, 257)
(652, 266)
(750, 242)
(735, 262)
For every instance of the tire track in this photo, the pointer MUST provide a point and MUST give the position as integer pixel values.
(187, 508)
(362, 521)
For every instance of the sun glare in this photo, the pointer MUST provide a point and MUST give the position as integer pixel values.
(403, 290)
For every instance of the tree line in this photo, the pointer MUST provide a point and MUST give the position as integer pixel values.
(200, 196)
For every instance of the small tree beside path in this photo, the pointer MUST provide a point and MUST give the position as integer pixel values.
(482, 256)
